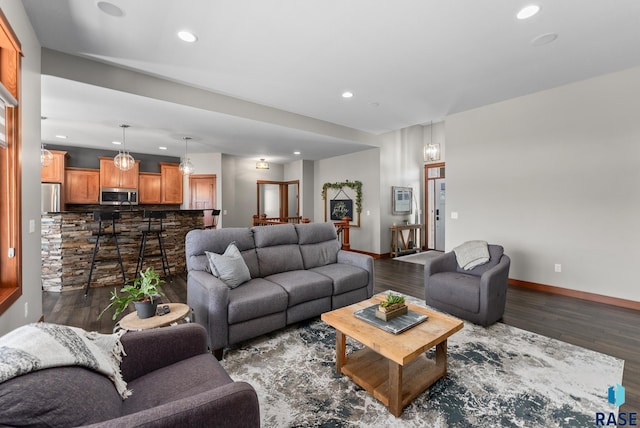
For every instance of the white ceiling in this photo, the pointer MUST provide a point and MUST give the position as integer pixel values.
(407, 61)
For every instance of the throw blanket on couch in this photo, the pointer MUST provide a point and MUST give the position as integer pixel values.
(43, 345)
(471, 254)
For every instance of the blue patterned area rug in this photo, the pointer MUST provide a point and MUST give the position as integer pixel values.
(497, 376)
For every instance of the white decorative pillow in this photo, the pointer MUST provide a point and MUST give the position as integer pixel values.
(229, 267)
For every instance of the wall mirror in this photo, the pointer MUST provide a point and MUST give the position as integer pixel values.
(401, 200)
(278, 199)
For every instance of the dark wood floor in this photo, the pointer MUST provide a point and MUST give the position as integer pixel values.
(603, 328)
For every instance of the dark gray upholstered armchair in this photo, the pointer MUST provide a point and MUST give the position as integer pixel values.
(477, 295)
(175, 381)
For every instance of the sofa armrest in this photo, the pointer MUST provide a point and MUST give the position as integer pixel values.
(493, 291)
(208, 297)
(443, 263)
(497, 276)
(149, 350)
(230, 405)
(360, 260)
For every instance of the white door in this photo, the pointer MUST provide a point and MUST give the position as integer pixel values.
(439, 218)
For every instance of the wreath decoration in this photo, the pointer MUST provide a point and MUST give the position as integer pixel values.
(355, 185)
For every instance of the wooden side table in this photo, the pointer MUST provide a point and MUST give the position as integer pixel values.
(179, 311)
(400, 245)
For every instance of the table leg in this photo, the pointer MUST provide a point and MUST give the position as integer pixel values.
(395, 388)
(341, 350)
(441, 356)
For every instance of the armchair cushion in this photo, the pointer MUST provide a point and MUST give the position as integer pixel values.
(61, 396)
(175, 382)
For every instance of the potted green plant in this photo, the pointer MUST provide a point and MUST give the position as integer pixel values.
(143, 292)
(391, 308)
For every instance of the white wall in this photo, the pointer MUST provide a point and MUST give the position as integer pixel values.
(361, 166)
(401, 164)
(30, 129)
(239, 189)
(554, 177)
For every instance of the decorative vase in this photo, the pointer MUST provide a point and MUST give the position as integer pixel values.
(147, 308)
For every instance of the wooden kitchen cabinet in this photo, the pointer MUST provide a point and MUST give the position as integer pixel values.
(54, 173)
(149, 190)
(171, 183)
(111, 176)
(82, 186)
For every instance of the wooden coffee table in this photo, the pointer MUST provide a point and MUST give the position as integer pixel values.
(389, 358)
(178, 312)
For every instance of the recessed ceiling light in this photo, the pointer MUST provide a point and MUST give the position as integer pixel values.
(117, 143)
(110, 9)
(162, 148)
(347, 94)
(528, 11)
(544, 39)
(296, 153)
(187, 36)
(62, 137)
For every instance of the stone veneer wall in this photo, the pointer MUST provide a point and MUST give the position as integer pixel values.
(68, 240)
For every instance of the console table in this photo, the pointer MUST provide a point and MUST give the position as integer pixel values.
(401, 236)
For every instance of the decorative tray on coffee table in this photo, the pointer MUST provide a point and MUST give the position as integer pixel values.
(396, 325)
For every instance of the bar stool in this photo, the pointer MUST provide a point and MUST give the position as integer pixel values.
(153, 225)
(214, 219)
(105, 217)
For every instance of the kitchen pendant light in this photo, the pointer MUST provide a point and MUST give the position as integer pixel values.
(46, 157)
(186, 167)
(123, 160)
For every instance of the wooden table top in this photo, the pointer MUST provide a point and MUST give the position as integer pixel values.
(132, 322)
(400, 348)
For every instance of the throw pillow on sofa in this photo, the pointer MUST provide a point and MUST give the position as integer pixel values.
(229, 267)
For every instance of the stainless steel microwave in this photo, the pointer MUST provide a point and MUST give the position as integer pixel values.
(117, 196)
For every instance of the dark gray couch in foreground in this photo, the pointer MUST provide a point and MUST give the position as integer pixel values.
(477, 295)
(297, 272)
(175, 381)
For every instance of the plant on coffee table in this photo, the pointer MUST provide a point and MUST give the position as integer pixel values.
(145, 288)
(392, 303)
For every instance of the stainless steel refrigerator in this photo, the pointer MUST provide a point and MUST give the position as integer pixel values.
(50, 197)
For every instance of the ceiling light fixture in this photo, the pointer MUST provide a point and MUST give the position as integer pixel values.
(117, 143)
(46, 157)
(187, 36)
(110, 9)
(296, 153)
(186, 167)
(162, 148)
(123, 160)
(262, 164)
(62, 137)
(528, 11)
(431, 150)
(544, 39)
(347, 94)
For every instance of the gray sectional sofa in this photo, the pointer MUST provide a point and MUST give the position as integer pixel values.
(297, 272)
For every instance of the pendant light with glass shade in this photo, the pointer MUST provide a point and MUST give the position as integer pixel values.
(186, 167)
(123, 160)
(46, 157)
